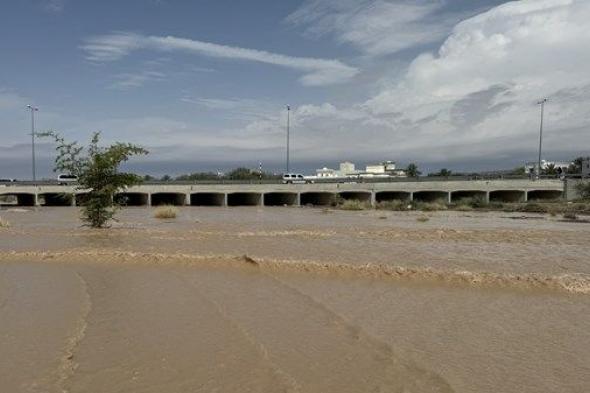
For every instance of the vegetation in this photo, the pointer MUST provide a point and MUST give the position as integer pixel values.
(423, 219)
(444, 172)
(412, 170)
(235, 174)
(576, 166)
(4, 223)
(97, 169)
(395, 205)
(353, 204)
(570, 216)
(166, 211)
(583, 189)
(429, 206)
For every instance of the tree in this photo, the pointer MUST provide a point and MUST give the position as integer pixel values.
(444, 172)
(550, 170)
(412, 170)
(576, 166)
(97, 169)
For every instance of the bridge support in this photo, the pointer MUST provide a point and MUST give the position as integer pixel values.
(208, 199)
(281, 199)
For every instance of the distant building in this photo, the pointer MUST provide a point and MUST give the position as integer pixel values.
(326, 172)
(586, 167)
(560, 166)
(348, 169)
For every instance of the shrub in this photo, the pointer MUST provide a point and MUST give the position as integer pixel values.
(422, 219)
(353, 204)
(463, 208)
(583, 189)
(571, 215)
(532, 208)
(4, 223)
(98, 172)
(166, 211)
(394, 205)
(430, 206)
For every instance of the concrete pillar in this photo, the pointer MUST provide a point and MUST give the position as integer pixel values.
(224, 199)
(487, 197)
(411, 197)
(298, 199)
(36, 200)
(449, 194)
(187, 199)
(526, 196)
(373, 198)
(149, 199)
(261, 202)
(73, 202)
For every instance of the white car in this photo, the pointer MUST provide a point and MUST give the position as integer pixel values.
(64, 179)
(295, 178)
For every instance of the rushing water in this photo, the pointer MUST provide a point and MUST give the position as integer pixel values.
(323, 302)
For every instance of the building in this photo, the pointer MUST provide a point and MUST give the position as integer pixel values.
(348, 169)
(586, 167)
(560, 166)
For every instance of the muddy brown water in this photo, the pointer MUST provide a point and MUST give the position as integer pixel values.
(325, 301)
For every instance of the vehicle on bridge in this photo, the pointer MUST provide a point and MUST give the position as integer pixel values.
(7, 180)
(295, 178)
(65, 179)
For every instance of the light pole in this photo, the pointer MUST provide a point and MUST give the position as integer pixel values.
(33, 109)
(288, 115)
(542, 104)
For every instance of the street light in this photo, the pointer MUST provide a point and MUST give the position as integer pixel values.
(542, 104)
(288, 113)
(33, 110)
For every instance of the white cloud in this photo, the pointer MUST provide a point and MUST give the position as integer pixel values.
(475, 98)
(128, 81)
(376, 26)
(317, 72)
(55, 5)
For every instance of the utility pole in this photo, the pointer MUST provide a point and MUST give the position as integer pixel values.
(33, 110)
(542, 104)
(288, 113)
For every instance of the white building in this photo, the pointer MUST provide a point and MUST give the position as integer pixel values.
(348, 169)
(530, 167)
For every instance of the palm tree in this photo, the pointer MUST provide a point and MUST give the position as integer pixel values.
(412, 170)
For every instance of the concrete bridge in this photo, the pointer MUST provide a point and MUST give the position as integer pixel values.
(319, 194)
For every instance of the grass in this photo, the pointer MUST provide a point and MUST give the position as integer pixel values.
(166, 211)
(570, 215)
(353, 204)
(394, 205)
(430, 206)
(4, 223)
(423, 219)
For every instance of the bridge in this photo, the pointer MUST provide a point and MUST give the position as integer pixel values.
(265, 194)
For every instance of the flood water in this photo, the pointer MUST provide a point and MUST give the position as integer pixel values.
(294, 300)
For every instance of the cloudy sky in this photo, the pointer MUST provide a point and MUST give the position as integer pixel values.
(204, 84)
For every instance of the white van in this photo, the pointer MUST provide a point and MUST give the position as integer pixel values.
(295, 178)
(64, 179)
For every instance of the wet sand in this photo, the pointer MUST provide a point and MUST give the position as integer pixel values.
(324, 301)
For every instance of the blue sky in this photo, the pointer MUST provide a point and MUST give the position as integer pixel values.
(204, 84)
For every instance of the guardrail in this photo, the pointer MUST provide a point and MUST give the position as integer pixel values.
(323, 180)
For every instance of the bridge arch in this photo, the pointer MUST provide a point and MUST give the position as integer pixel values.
(281, 199)
(544, 195)
(508, 196)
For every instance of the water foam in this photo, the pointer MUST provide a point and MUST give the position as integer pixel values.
(578, 283)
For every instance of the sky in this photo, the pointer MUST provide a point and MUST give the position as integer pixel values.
(204, 85)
